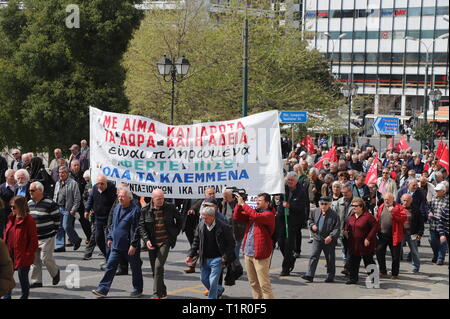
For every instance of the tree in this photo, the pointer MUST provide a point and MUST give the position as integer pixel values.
(50, 74)
(283, 73)
(424, 133)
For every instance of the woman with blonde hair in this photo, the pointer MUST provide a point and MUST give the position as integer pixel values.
(22, 241)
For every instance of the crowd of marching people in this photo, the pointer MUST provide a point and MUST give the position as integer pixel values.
(358, 199)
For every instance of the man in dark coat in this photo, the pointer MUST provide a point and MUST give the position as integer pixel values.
(191, 213)
(419, 200)
(160, 225)
(7, 190)
(3, 168)
(296, 205)
(413, 229)
(214, 245)
(325, 226)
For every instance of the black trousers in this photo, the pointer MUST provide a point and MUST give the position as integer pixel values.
(382, 243)
(298, 242)
(353, 264)
(287, 244)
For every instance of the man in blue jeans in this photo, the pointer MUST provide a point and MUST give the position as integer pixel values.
(215, 238)
(67, 196)
(437, 205)
(123, 240)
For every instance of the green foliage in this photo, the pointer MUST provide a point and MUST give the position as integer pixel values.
(283, 73)
(50, 74)
(424, 132)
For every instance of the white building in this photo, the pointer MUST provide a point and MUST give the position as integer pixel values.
(368, 39)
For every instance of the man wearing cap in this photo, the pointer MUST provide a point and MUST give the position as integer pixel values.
(76, 154)
(325, 226)
(437, 205)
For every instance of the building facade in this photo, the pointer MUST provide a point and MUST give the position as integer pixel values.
(365, 41)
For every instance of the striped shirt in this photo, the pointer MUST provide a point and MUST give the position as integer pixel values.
(437, 205)
(160, 228)
(442, 226)
(47, 217)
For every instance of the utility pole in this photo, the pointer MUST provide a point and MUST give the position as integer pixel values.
(245, 69)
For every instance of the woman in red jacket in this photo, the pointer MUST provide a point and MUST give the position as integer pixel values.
(361, 230)
(22, 241)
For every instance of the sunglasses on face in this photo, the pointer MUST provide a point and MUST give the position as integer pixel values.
(385, 172)
(356, 206)
(13, 207)
(32, 190)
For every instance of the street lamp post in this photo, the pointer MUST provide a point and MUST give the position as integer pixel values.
(168, 67)
(425, 96)
(349, 90)
(328, 35)
(435, 97)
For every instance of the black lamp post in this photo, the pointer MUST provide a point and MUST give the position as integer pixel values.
(349, 90)
(435, 96)
(176, 70)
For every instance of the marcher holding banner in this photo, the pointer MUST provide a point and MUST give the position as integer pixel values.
(183, 160)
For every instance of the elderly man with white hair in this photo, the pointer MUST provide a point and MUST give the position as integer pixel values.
(124, 242)
(16, 163)
(214, 245)
(46, 215)
(160, 223)
(23, 183)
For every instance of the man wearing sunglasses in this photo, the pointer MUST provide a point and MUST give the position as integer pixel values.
(386, 184)
(325, 226)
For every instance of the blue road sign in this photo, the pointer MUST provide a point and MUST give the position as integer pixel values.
(293, 116)
(386, 125)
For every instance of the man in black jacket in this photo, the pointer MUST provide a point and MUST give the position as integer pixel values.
(214, 244)
(3, 168)
(77, 176)
(7, 190)
(413, 229)
(296, 205)
(160, 224)
(419, 200)
(191, 213)
(99, 204)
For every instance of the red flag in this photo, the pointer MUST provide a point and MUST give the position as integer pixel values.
(444, 158)
(331, 156)
(372, 174)
(391, 144)
(426, 167)
(402, 145)
(308, 144)
(440, 149)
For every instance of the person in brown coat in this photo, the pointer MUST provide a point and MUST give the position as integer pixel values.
(360, 230)
(7, 282)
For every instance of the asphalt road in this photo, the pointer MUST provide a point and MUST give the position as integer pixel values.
(432, 282)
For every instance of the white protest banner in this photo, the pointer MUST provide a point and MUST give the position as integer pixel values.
(184, 160)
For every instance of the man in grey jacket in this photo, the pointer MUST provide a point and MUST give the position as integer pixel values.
(67, 196)
(343, 208)
(325, 227)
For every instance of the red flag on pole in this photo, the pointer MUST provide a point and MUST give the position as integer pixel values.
(444, 158)
(401, 145)
(440, 149)
(308, 144)
(372, 174)
(331, 156)
(391, 144)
